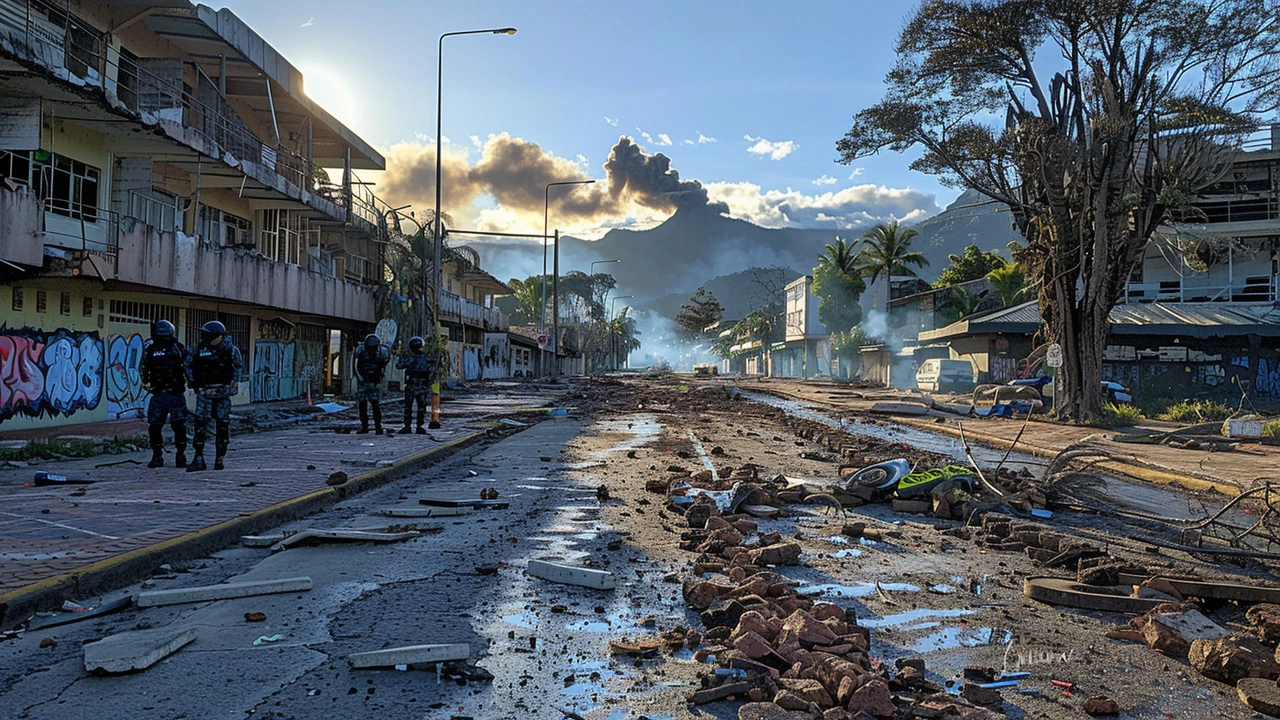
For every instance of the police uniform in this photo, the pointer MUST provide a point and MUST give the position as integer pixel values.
(163, 373)
(370, 365)
(213, 371)
(419, 372)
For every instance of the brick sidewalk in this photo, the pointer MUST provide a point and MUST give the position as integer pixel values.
(48, 532)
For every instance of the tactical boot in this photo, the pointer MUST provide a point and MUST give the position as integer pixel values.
(180, 458)
(364, 430)
(434, 424)
(422, 430)
(406, 429)
(197, 463)
(157, 459)
(217, 463)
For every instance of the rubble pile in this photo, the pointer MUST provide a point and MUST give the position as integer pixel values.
(775, 646)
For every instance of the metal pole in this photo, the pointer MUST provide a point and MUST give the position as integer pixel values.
(542, 311)
(555, 310)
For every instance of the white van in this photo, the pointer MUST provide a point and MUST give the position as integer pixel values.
(945, 376)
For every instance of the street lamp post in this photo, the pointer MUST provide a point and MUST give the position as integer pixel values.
(546, 215)
(439, 237)
(613, 345)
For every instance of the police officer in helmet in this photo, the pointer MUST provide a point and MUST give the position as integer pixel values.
(213, 371)
(164, 376)
(419, 372)
(370, 365)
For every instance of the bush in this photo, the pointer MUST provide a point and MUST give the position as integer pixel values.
(1271, 429)
(51, 450)
(1117, 416)
(1196, 411)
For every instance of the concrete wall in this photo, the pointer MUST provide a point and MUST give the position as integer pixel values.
(182, 264)
(1159, 369)
(20, 240)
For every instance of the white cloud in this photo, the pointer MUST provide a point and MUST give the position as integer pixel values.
(425, 138)
(775, 150)
(310, 21)
(703, 139)
(856, 172)
(664, 139)
(582, 160)
(475, 140)
(688, 142)
(851, 207)
(825, 180)
(611, 121)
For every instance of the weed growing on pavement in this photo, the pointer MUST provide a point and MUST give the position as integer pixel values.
(1120, 415)
(1196, 411)
(1271, 430)
(51, 450)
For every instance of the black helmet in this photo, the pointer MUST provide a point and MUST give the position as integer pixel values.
(212, 329)
(162, 330)
(416, 343)
(371, 341)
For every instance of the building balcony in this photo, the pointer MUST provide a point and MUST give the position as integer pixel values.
(454, 309)
(1259, 288)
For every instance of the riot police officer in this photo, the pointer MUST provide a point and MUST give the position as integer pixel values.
(419, 372)
(213, 371)
(370, 365)
(164, 376)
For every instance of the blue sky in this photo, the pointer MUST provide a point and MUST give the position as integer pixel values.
(779, 79)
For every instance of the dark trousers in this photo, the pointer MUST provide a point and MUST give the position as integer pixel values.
(172, 408)
(422, 396)
(218, 408)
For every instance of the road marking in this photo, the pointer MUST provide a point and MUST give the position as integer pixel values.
(64, 526)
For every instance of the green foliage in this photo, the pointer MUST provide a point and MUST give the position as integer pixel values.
(851, 341)
(837, 281)
(1196, 411)
(525, 300)
(582, 295)
(1122, 415)
(760, 325)
(1271, 429)
(886, 251)
(959, 304)
(56, 449)
(972, 264)
(1009, 283)
(695, 316)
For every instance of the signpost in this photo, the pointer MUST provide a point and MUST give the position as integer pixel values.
(1053, 358)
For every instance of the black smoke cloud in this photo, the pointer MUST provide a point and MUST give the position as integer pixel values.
(516, 172)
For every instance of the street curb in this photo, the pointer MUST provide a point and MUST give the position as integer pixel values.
(126, 568)
(1120, 467)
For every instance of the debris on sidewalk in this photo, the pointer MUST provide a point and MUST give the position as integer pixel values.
(135, 650)
(224, 591)
(66, 617)
(47, 479)
(315, 537)
(410, 655)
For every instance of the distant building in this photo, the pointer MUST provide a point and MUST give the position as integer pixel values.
(806, 347)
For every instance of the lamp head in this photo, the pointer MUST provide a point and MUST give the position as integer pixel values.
(505, 31)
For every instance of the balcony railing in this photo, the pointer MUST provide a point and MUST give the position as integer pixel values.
(1259, 288)
(456, 308)
(77, 51)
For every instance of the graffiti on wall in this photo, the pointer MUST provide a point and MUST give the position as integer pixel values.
(1267, 381)
(1003, 368)
(49, 374)
(497, 356)
(465, 361)
(272, 370)
(126, 397)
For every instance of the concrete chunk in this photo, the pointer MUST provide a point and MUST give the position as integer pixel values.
(426, 512)
(137, 650)
(225, 591)
(261, 541)
(307, 537)
(410, 655)
(586, 577)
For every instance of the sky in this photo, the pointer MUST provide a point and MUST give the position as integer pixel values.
(747, 98)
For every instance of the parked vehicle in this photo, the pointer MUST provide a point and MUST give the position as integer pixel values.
(939, 375)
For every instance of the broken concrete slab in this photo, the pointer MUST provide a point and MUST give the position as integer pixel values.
(451, 502)
(426, 512)
(64, 618)
(136, 650)
(224, 591)
(317, 536)
(261, 541)
(569, 575)
(410, 655)
(1260, 694)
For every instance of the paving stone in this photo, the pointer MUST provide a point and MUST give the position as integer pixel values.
(224, 591)
(137, 650)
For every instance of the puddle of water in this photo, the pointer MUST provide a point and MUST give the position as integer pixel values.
(589, 678)
(850, 553)
(856, 590)
(941, 589)
(958, 637)
(837, 540)
(644, 429)
(911, 616)
(524, 619)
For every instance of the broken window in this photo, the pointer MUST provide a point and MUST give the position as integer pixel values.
(68, 187)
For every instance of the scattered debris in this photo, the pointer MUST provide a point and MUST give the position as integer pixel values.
(410, 655)
(566, 574)
(135, 650)
(315, 537)
(336, 478)
(268, 639)
(153, 598)
(255, 617)
(63, 618)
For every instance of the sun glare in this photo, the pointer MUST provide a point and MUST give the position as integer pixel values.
(330, 90)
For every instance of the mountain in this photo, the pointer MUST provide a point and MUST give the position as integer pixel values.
(663, 265)
(972, 219)
(738, 294)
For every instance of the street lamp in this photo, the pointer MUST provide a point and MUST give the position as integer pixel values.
(613, 346)
(439, 237)
(546, 214)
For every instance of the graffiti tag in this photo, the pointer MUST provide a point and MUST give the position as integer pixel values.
(45, 373)
(125, 395)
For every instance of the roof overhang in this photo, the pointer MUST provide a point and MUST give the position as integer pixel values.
(209, 35)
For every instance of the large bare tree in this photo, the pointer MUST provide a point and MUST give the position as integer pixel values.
(1094, 121)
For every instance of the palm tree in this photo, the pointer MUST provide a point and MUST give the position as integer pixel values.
(840, 255)
(886, 251)
(1008, 282)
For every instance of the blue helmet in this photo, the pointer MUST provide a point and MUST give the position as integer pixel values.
(416, 343)
(162, 330)
(211, 330)
(372, 341)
